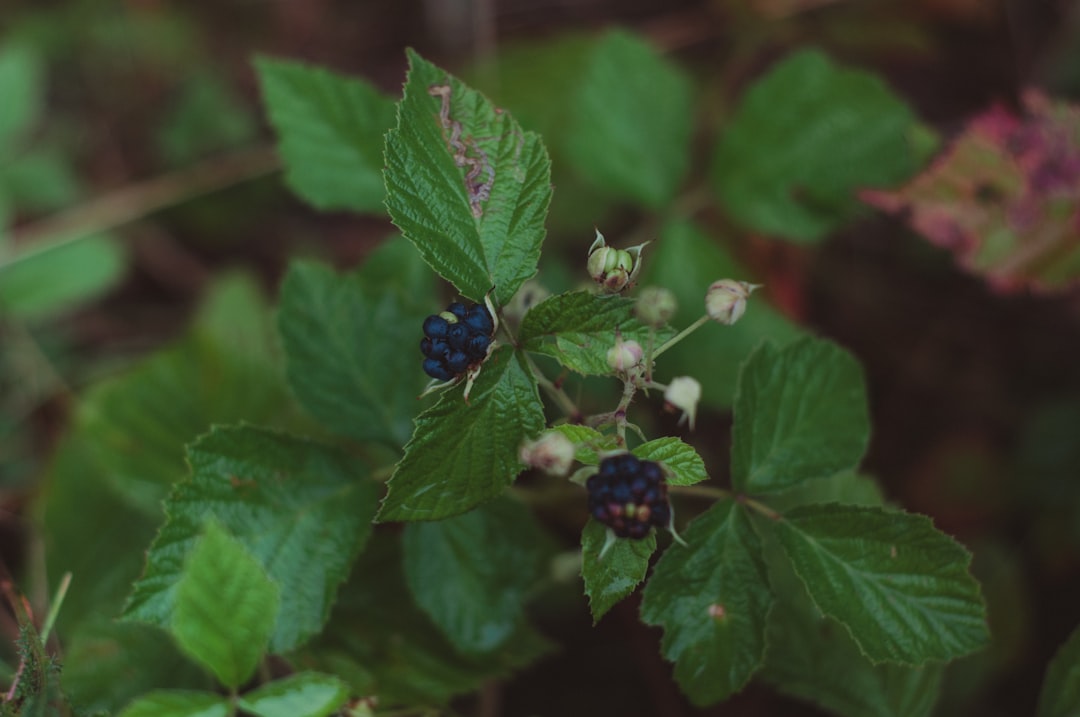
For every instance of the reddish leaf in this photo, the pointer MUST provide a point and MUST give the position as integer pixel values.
(1005, 197)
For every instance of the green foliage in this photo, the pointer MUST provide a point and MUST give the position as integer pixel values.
(901, 588)
(712, 598)
(802, 139)
(306, 694)
(1060, 696)
(577, 329)
(630, 120)
(464, 453)
(225, 607)
(686, 466)
(800, 413)
(471, 573)
(22, 82)
(611, 567)
(303, 511)
(34, 284)
(344, 336)
(177, 703)
(466, 185)
(330, 133)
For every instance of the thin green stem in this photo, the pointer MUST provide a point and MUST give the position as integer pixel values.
(681, 335)
(54, 608)
(555, 393)
(701, 491)
(759, 507)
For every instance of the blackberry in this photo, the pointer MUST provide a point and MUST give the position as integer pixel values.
(629, 496)
(456, 340)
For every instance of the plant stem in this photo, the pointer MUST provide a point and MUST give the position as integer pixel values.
(759, 507)
(54, 609)
(556, 393)
(701, 491)
(681, 335)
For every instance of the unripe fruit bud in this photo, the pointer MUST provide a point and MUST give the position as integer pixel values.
(683, 394)
(552, 453)
(613, 269)
(655, 306)
(624, 355)
(725, 301)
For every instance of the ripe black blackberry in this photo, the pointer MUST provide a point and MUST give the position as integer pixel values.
(629, 496)
(455, 340)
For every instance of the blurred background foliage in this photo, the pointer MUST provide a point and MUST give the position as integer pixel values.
(144, 226)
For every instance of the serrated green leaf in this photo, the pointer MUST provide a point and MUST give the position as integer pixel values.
(39, 282)
(847, 487)
(225, 608)
(814, 658)
(800, 413)
(578, 328)
(686, 466)
(178, 703)
(344, 342)
(307, 694)
(382, 644)
(612, 576)
(1060, 695)
(302, 509)
(471, 573)
(802, 139)
(900, 587)
(462, 454)
(22, 85)
(107, 664)
(588, 442)
(225, 371)
(712, 599)
(631, 115)
(330, 133)
(686, 261)
(467, 186)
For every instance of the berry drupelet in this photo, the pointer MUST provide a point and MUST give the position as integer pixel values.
(629, 496)
(456, 340)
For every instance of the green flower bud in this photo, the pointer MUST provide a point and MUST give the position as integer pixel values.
(655, 306)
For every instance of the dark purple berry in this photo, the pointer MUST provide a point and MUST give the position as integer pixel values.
(437, 370)
(457, 336)
(425, 346)
(437, 349)
(436, 327)
(457, 362)
(477, 346)
(479, 320)
(629, 496)
(458, 309)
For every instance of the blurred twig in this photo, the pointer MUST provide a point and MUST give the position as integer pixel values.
(136, 201)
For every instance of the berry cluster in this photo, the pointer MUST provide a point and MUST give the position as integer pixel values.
(629, 496)
(455, 340)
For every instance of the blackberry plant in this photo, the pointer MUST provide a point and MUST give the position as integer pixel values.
(771, 568)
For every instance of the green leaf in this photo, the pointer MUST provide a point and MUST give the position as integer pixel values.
(1060, 695)
(440, 166)
(41, 180)
(471, 573)
(330, 133)
(381, 643)
(462, 454)
(712, 599)
(588, 442)
(206, 117)
(307, 694)
(224, 371)
(847, 487)
(611, 576)
(901, 588)
(38, 282)
(802, 139)
(107, 664)
(686, 261)
(631, 118)
(302, 509)
(225, 607)
(22, 85)
(344, 341)
(178, 703)
(814, 658)
(682, 460)
(578, 328)
(800, 413)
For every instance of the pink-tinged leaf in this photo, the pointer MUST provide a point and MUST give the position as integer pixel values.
(1005, 197)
